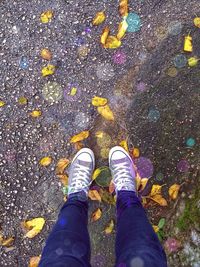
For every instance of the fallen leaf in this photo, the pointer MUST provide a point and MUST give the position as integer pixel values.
(34, 261)
(109, 228)
(173, 191)
(99, 18)
(7, 242)
(104, 35)
(46, 161)
(143, 183)
(34, 226)
(193, 61)
(136, 152)
(107, 197)
(63, 178)
(61, 165)
(161, 223)
(48, 70)
(123, 8)
(99, 101)
(1, 238)
(22, 100)
(96, 173)
(160, 200)
(46, 16)
(156, 189)
(197, 22)
(112, 42)
(124, 144)
(46, 54)
(96, 215)
(122, 29)
(188, 47)
(78, 145)
(102, 176)
(99, 134)
(79, 137)
(73, 91)
(106, 112)
(138, 181)
(111, 188)
(94, 195)
(36, 113)
(2, 103)
(155, 228)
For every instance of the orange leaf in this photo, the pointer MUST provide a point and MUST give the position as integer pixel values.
(78, 145)
(173, 191)
(109, 228)
(136, 152)
(94, 195)
(34, 261)
(46, 54)
(111, 187)
(63, 178)
(96, 215)
(159, 199)
(61, 165)
(79, 137)
(104, 35)
(123, 8)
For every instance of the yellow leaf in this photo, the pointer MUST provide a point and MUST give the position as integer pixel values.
(173, 191)
(63, 178)
(138, 181)
(143, 183)
(48, 70)
(99, 101)
(193, 61)
(99, 18)
(34, 261)
(34, 226)
(46, 161)
(94, 195)
(7, 242)
(123, 8)
(106, 112)
(99, 134)
(111, 187)
(2, 103)
(78, 145)
(136, 152)
(96, 173)
(46, 16)
(22, 100)
(73, 91)
(1, 238)
(61, 165)
(122, 29)
(96, 215)
(124, 144)
(112, 42)
(197, 22)
(109, 228)
(156, 189)
(36, 113)
(46, 54)
(159, 199)
(188, 47)
(104, 35)
(79, 137)
(155, 228)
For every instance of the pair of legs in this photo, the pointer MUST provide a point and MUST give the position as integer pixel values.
(137, 245)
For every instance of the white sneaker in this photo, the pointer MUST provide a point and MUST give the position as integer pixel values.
(121, 166)
(81, 170)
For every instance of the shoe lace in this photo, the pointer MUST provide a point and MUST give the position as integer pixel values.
(81, 174)
(122, 170)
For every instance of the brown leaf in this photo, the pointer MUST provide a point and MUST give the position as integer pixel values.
(111, 187)
(34, 261)
(63, 179)
(7, 242)
(123, 8)
(96, 215)
(94, 195)
(104, 35)
(61, 165)
(109, 228)
(79, 137)
(78, 145)
(173, 191)
(46, 54)
(160, 200)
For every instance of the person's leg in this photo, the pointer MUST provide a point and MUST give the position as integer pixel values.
(68, 244)
(137, 244)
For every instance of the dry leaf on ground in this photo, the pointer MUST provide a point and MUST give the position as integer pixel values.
(46, 16)
(79, 137)
(33, 226)
(2, 103)
(96, 215)
(123, 8)
(111, 187)
(36, 113)
(99, 101)
(48, 70)
(109, 228)
(156, 189)
(173, 191)
(143, 183)
(46, 54)
(46, 161)
(107, 197)
(34, 261)
(61, 165)
(63, 179)
(112, 42)
(99, 18)
(94, 195)
(122, 29)
(160, 200)
(6, 242)
(155, 228)
(188, 47)
(124, 144)
(104, 35)
(106, 112)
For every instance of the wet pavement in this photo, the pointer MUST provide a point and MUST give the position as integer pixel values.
(153, 93)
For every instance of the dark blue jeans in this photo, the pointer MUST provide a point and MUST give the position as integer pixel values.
(137, 245)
